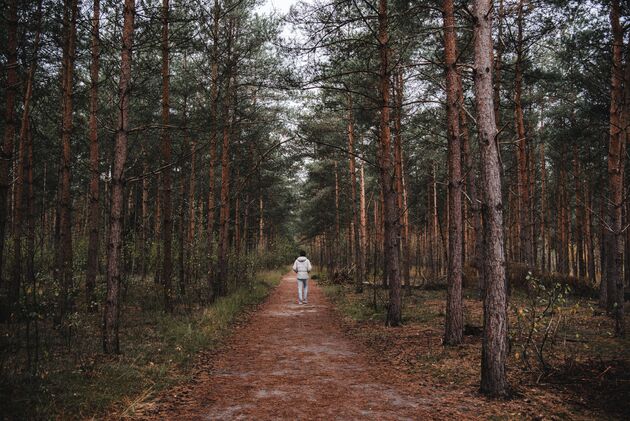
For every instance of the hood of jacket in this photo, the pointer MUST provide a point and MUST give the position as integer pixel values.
(302, 259)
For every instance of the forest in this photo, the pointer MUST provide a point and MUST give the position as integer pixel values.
(453, 169)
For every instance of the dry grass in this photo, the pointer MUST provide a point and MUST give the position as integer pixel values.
(158, 351)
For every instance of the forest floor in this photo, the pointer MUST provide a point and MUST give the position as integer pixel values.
(75, 380)
(294, 361)
(586, 374)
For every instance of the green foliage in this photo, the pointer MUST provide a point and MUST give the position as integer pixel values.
(158, 350)
(539, 322)
(279, 253)
(353, 305)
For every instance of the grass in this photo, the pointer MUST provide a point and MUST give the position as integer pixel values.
(589, 369)
(158, 351)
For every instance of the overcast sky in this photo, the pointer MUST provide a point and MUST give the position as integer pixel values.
(281, 6)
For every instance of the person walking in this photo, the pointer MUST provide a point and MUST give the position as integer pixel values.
(302, 266)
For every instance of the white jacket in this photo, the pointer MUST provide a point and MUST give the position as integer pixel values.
(302, 267)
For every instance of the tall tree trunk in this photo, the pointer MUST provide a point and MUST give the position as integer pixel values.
(616, 97)
(588, 235)
(563, 220)
(166, 180)
(224, 213)
(580, 209)
(337, 204)
(494, 347)
(390, 214)
(30, 221)
(436, 246)
(64, 251)
(214, 117)
(399, 173)
(543, 208)
(181, 252)
(144, 233)
(355, 228)
(261, 224)
(363, 225)
(237, 217)
(21, 169)
(157, 236)
(454, 328)
(471, 178)
(9, 127)
(93, 216)
(525, 251)
(114, 246)
(498, 66)
(190, 238)
(615, 173)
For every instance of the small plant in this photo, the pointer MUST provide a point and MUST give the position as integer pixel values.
(538, 322)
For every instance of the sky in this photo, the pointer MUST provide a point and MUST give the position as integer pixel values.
(281, 6)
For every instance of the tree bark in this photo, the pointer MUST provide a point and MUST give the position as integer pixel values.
(436, 245)
(588, 235)
(111, 314)
(22, 168)
(261, 223)
(93, 214)
(363, 225)
(494, 347)
(144, 233)
(64, 270)
(166, 180)
(355, 228)
(214, 113)
(390, 214)
(30, 221)
(9, 126)
(525, 251)
(454, 328)
(471, 178)
(616, 160)
(498, 66)
(224, 213)
(579, 217)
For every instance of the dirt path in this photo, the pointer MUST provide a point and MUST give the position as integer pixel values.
(292, 362)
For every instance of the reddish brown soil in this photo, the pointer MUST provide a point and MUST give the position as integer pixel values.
(292, 362)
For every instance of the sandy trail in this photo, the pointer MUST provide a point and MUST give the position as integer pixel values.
(293, 361)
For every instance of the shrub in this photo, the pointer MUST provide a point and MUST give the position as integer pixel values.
(538, 322)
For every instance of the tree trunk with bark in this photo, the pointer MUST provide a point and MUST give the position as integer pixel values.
(355, 228)
(91, 269)
(494, 346)
(223, 246)
(23, 168)
(166, 186)
(525, 251)
(363, 225)
(111, 314)
(471, 182)
(616, 160)
(454, 328)
(64, 269)
(9, 127)
(390, 214)
(214, 117)
(398, 91)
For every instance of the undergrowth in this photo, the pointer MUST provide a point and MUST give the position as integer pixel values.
(580, 371)
(158, 350)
